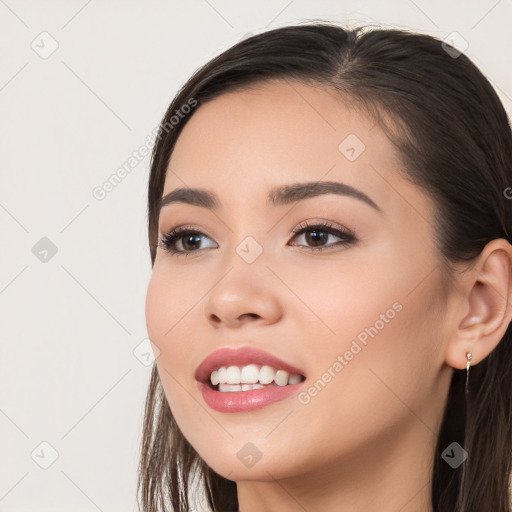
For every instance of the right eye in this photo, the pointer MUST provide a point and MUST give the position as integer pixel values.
(183, 236)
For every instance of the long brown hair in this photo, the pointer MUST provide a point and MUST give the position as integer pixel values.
(455, 142)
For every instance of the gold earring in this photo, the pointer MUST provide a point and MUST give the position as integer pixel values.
(468, 357)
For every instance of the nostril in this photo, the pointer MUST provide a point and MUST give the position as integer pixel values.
(251, 315)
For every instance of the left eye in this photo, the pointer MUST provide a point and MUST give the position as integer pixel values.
(190, 239)
(319, 233)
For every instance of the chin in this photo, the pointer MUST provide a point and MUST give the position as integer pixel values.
(250, 462)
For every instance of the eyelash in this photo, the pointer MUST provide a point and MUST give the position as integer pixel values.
(167, 241)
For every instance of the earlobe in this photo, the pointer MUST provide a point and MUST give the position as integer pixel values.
(486, 305)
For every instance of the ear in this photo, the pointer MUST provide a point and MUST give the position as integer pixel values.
(485, 306)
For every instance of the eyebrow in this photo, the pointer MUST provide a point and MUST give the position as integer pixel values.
(278, 196)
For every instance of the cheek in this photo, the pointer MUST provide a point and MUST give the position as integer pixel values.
(370, 375)
(158, 309)
(340, 301)
(170, 311)
(381, 325)
(170, 300)
(169, 317)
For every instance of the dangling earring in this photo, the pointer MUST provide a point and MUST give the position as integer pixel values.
(468, 357)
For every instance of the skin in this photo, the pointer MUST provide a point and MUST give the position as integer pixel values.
(369, 435)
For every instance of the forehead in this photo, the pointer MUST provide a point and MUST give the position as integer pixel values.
(243, 143)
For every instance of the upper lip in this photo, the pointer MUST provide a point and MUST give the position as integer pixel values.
(240, 357)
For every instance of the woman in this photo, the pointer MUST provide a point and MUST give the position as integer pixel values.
(329, 226)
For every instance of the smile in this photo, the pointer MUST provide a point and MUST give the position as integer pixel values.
(245, 378)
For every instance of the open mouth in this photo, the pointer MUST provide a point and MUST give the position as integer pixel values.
(250, 377)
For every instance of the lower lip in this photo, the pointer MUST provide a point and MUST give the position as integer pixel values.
(244, 401)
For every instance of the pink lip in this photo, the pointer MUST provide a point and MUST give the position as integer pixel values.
(240, 357)
(243, 401)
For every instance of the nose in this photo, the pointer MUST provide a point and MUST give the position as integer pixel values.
(239, 299)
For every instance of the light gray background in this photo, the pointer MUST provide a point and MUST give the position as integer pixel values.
(70, 325)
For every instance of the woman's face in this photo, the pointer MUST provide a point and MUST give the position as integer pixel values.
(361, 320)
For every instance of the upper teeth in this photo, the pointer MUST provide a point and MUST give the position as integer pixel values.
(252, 374)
